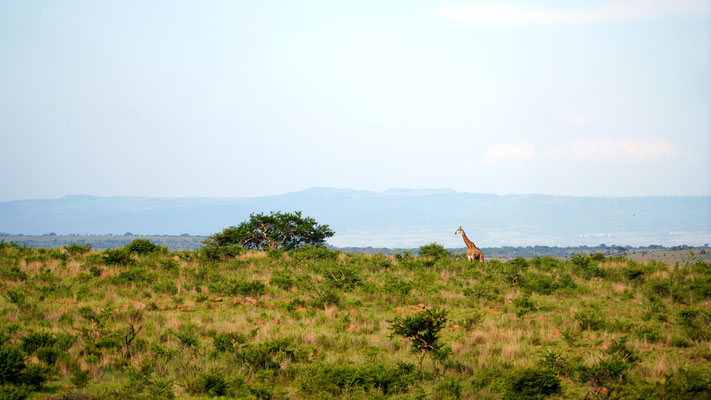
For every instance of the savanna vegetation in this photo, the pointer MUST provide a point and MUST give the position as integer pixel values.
(142, 322)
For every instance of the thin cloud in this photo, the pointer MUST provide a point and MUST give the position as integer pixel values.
(603, 150)
(522, 150)
(569, 119)
(498, 13)
(610, 149)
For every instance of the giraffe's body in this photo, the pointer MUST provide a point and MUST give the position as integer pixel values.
(473, 252)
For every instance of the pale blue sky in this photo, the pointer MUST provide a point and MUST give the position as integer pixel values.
(245, 98)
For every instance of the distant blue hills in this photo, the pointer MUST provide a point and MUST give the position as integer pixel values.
(393, 218)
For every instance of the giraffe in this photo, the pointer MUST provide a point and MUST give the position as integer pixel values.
(473, 252)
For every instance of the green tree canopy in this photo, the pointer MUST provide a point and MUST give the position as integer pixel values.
(271, 231)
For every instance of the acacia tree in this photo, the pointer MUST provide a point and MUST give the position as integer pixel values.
(423, 330)
(275, 230)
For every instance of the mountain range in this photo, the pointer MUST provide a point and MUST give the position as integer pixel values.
(392, 218)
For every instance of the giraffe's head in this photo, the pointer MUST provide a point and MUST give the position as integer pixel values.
(459, 230)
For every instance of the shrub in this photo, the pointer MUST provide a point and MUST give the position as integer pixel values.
(450, 387)
(482, 290)
(590, 319)
(633, 272)
(434, 251)
(344, 277)
(254, 288)
(78, 249)
(649, 334)
(269, 355)
(696, 322)
(16, 296)
(327, 380)
(556, 362)
(212, 383)
(397, 286)
(117, 257)
(283, 279)
(165, 287)
(11, 364)
(142, 247)
(532, 383)
(170, 265)
(80, 377)
(14, 392)
(136, 274)
(603, 373)
(473, 320)
(524, 305)
(311, 252)
(228, 341)
(542, 284)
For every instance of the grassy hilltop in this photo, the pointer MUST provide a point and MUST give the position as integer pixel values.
(144, 323)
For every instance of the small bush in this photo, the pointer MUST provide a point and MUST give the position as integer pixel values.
(142, 247)
(228, 341)
(590, 319)
(254, 288)
(78, 249)
(524, 305)
(532, 383)
(696, 322)
(449, 388)
(117, 257)
(168, 287)
(283, 279)
(482, 291)
(327, 380)
(311, 252)
(212, 383)
(397, 286)
(434, 251)
(605, 372)
(344, 277)
(136, 274)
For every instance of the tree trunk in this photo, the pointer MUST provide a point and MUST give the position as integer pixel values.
(422, 358)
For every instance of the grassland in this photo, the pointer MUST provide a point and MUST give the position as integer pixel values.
(315, 323)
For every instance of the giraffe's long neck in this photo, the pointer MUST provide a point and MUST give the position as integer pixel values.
(468, 242)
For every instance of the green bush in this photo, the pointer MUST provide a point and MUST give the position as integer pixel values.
(539, 283)
(696, 322)
(482, 291)
(254, 288)
(591, 319)
(327, 380)
(283, 279)
(135, 274)
(532, 383)
(311, 252)
(434, 251)
(14, 392)
(343, 277)
(142, 247)
(12, 363)
(228, 341)
(605, 372)
(78, 249)
(165, 287)
(269, 355)
(212, 383)
(117, 257)
(397, 286)
(449, 388)
(524, 305)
